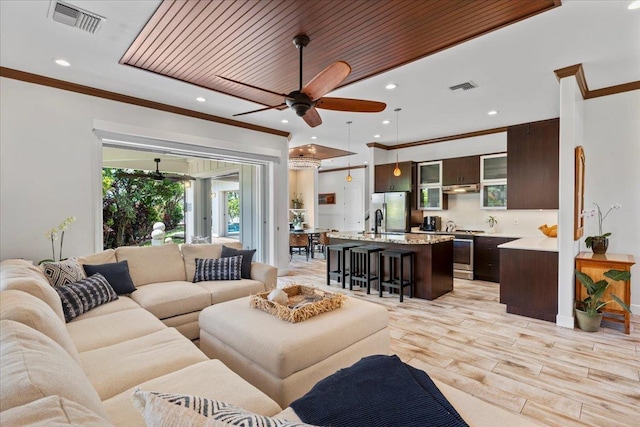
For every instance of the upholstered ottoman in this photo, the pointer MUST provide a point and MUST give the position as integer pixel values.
(284, 359)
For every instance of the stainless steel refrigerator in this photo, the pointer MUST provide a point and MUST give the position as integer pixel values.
(396, 211)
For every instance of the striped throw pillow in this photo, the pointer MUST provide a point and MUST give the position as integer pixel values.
(229, 268)
(85, 295)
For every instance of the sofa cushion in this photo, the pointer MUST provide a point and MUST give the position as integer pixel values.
(152, 264)
(168, 410)
(218, 269)
(247, 258)
(26, 277)
(101, 331)
(116, 273)
(84, 295)
(121, 304)
(30, 311)
(225, 290)
(34, 366)
(192, 251)
(118, 367)
(63, 272)
(103, 257)
(52, 411)
(211, 379)
(168, 299)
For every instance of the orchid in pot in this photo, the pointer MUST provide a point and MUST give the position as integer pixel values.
(53, 236)
(599, 243)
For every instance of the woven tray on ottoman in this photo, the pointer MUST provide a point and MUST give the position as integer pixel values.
(304, 302)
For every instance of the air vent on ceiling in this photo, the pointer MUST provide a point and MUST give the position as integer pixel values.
(73, 16)
(464, 86)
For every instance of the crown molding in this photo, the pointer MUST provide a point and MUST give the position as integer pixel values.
(118, 97)
(577, 71)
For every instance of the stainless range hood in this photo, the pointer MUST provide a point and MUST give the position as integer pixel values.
(461, 188)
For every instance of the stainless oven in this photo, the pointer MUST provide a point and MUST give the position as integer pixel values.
(463, 257)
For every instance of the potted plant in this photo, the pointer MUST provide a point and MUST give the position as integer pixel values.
(297, 201)
(297, 221)
(599, 243)
(492, 220)
(588, 310)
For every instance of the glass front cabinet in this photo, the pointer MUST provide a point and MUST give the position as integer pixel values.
(493, 181)
(430, 186)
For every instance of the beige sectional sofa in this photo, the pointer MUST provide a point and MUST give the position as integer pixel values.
(89, 367)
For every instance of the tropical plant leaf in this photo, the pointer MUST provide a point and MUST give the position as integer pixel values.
(622, 303)
(616, 275)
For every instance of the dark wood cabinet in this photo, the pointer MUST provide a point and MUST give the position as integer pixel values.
(529, 283)
(461, 170)
(486, 258)
(533, 167)
(385, 180)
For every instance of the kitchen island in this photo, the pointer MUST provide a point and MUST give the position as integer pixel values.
(433, 262)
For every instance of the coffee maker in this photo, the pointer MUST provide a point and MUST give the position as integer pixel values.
(431, 223)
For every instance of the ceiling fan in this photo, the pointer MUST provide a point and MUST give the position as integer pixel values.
(156, 175)
(305, 100)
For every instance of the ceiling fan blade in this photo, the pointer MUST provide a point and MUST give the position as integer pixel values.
(312, 117)
(176, 177)
(348, 104)
(327, 80)
(260, 109)
(253, 87)
(132, 175)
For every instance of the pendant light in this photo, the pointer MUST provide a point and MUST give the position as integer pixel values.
(397, 171)
(349, 178)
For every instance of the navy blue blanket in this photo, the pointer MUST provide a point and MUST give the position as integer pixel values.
(377, 391)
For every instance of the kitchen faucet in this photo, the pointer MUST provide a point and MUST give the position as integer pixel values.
(379, 219)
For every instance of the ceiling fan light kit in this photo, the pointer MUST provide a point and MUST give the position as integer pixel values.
(307, 98)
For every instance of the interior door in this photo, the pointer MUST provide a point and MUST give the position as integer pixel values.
(353, 206)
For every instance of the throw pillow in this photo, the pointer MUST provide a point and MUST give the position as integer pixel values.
(85, 295)
(218, 269)
(172, 410)
(116, 273)
(247, 258)
(63, 272)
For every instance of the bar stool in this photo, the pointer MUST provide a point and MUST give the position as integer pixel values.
(396, 281)
(340, 273)
(360, 268)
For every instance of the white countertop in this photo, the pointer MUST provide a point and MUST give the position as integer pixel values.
(548, 244)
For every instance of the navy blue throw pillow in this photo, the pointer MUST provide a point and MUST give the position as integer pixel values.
(247, 258)
(116, 273)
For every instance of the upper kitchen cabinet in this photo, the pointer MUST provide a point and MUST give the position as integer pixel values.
(533, 168)
(385, 180)
(461, 170)
(430, 195)
(493, 181)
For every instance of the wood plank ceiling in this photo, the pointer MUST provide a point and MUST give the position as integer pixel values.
(251, 41)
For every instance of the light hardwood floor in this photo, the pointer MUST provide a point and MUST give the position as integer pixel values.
(555, 376)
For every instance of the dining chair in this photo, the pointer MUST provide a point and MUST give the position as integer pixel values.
(298, 241)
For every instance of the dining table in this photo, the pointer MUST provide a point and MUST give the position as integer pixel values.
(313, 234)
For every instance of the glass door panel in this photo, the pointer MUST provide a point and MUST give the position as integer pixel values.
(430, 198)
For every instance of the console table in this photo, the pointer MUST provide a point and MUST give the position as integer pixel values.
(595, 265)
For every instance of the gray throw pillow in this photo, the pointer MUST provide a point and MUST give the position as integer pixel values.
(247, 258)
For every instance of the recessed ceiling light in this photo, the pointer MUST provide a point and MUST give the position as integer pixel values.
(201, 99)
(385, 122)
(365, 162)
(376, 135)
(635, 5)
(285, 121)
(391, 86)
(314, 137)
(492, 112)
(62, 62)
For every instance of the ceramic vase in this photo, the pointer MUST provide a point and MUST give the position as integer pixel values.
(588, 323)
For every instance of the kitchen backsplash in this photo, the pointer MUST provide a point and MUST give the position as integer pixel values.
(464, 210)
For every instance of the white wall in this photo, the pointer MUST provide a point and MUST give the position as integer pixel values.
(612, 174)
(50, 165)
(333, 216)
